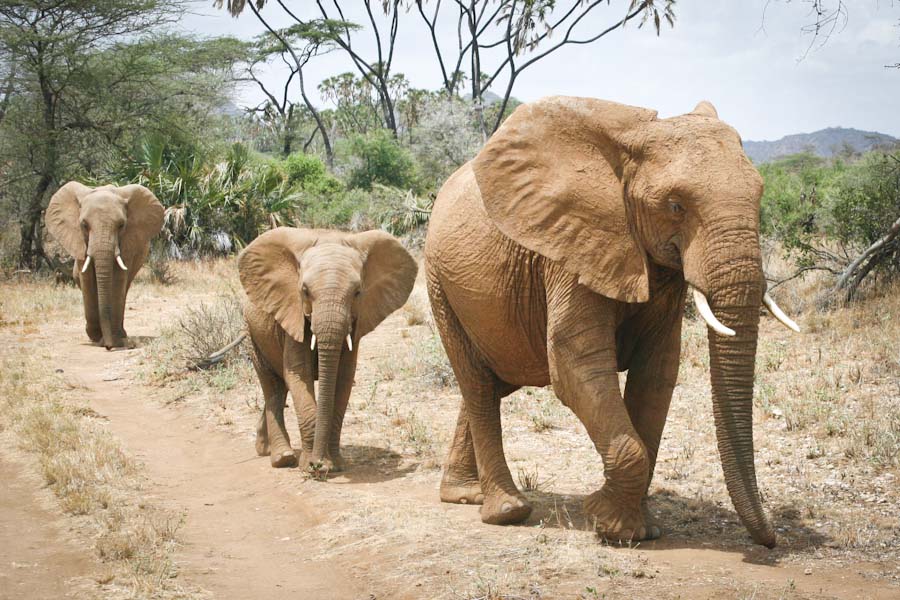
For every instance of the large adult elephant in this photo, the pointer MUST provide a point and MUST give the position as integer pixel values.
(561, 255)
(107, 230)
(313, 295)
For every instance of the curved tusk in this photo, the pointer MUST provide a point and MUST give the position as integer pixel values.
(707, 314)
(87, 263)
(312, 342)
(779, 314)
(350, 342)
(121, 263)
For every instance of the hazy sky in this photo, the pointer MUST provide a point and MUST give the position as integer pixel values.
(750, 67)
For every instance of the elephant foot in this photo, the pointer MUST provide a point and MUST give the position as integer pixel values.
(284, 458)
(504, 509)
(262, 444)
(616, 521)
(650, 521)
(337, 463)
(319, 469)
(460, 491)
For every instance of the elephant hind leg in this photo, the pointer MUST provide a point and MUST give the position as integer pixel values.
(459, 483)
(476, 469)
(271, 435)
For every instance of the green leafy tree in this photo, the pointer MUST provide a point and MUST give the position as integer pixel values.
(87, 78)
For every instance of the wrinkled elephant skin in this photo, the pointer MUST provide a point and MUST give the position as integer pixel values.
(561, 254)
(313, 294)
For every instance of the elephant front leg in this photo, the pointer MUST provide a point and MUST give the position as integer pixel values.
(271, 436)
(652, 374)
(88, 286)
(582, 356)
(300, 380)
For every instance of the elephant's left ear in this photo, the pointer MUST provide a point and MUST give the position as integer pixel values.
(389, 274)
(144, 220)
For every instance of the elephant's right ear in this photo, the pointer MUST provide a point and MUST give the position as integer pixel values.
(551, 180)
(269, 269)
(63, 218)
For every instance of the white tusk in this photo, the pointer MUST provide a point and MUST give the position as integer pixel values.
(350, 342)
(707, 314)
(87, 263)
(779, 314)
(312, 342)
(121, 263)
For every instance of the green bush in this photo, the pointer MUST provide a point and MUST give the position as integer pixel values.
(379, 158)
(309, 173)
(827, 213)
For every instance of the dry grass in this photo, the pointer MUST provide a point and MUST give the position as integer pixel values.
(27, 300)
(93, 479)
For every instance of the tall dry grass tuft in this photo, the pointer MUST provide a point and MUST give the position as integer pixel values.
(201, 330)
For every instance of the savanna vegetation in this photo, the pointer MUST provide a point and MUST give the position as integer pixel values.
(110, 91)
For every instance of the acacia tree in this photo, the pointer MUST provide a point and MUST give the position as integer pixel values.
(84, 80)
(377, 71)
(513, 35)
(294, 47)
(311, 37)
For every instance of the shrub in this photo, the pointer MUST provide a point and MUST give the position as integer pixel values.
(309, 173)
(379, 158)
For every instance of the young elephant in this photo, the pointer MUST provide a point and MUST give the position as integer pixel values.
(313, 295)
(107, 230)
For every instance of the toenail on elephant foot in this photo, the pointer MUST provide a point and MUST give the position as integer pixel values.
(337, 464)
(461, 493)
(504, 509)
(286, 458)
(617, 521)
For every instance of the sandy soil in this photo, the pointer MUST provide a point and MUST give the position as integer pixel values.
(251, 531)
(38, 558)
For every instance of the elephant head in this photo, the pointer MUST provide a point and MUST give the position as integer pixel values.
(327, 290)
(605, 190)
(107, 230)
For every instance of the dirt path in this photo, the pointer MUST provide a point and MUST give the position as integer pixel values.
(244, 522)
(37, 559)
(248, 529)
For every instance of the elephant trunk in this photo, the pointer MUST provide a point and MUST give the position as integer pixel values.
(330, 325)
(102, 250)
(736, 293)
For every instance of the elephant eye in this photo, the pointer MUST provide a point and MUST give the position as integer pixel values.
(305, 289)
(675, 207)
(357, 293)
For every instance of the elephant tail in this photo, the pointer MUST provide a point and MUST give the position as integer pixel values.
(219, 355)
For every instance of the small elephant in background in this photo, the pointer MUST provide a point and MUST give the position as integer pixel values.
(107, 230)
(313, 295)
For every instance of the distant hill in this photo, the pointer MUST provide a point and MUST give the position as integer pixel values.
(825, 143)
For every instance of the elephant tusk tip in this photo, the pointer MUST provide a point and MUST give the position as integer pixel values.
(708, 316)
(779, 314)
(120, 262)
(312, 342)
(87, 263)
(350, 342)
